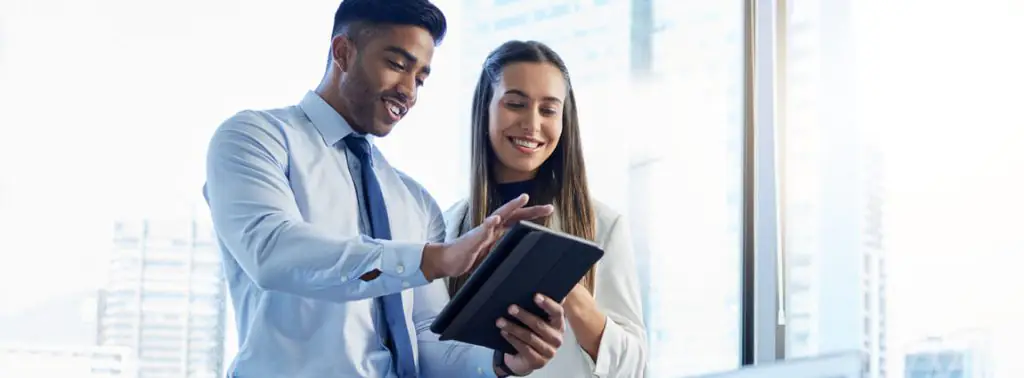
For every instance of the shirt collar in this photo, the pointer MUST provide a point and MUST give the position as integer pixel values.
(331, 125)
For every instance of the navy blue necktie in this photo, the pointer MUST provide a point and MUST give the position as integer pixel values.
(380, 228)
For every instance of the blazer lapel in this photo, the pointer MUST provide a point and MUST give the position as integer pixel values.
(456, 220)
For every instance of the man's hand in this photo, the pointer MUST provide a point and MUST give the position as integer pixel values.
(457, 258)
(537, 345)
(513, 211)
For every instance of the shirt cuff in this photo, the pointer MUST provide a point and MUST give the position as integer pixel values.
(612, 336)
(401, 261)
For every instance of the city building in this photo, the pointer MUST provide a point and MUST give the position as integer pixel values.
(165, 299)
(833, 190)
(962, 355)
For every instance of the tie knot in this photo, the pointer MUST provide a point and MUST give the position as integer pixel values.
(359, 146)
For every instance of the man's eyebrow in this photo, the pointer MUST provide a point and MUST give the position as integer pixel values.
(407, 55)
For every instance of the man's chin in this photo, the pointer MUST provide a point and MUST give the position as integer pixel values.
(381, 129)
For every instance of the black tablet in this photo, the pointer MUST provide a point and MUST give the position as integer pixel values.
(529, 259)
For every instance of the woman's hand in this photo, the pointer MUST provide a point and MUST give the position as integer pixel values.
(537, 344)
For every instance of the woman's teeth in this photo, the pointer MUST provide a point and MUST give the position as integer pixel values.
(525, 143)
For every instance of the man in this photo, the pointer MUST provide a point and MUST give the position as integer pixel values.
(321, 237)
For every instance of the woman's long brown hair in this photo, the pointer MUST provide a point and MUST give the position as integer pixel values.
(561, 180)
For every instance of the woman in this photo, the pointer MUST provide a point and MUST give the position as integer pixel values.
(526, 139)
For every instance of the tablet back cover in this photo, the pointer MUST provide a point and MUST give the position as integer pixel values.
(542, 262)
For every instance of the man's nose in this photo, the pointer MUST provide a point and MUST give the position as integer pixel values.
(407, 89)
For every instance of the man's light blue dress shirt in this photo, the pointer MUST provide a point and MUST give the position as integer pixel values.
(290, 225)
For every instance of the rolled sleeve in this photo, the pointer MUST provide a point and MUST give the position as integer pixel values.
(614, 336)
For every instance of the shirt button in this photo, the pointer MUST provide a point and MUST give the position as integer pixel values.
(405, 284)
(400, 269)
(480, 370)
(344, 278)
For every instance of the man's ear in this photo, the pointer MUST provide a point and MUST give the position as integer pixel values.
(343, 52)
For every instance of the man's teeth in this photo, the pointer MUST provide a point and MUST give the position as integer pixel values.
(395, 109)
(524, 143)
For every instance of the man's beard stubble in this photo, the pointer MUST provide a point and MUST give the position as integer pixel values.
(363, 102)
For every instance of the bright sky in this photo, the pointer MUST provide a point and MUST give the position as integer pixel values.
(99, 123)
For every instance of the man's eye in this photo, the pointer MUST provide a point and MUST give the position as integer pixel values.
(395, 65)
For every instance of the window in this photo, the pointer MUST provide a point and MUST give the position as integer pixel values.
(896, 131)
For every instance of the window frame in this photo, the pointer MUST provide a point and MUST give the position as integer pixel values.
(762, 329)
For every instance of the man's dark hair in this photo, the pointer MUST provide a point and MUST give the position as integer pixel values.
(356, 18)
